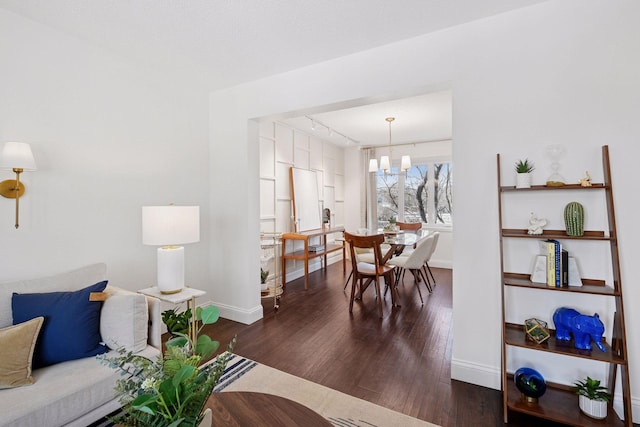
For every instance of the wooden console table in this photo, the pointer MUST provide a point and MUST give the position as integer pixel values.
(305, 254)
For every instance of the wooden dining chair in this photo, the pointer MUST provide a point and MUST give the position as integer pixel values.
(371, 272)
(412, 226)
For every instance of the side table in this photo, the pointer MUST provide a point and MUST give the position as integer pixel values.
(186, 294)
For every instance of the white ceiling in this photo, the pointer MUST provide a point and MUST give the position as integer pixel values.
(417, 119)
(220, 43)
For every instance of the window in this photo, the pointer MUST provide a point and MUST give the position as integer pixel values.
(427, 195)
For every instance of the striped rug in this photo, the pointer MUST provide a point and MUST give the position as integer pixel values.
(342, 410)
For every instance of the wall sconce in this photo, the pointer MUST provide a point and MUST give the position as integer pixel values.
(168, 227)
(16, 156)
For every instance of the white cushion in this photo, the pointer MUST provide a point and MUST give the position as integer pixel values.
(124, 320)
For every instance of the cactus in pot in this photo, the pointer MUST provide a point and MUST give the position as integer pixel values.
(574, 219)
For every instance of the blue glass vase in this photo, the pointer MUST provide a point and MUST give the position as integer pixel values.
(530, 383)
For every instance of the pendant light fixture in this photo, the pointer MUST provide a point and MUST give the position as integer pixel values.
(385, 161)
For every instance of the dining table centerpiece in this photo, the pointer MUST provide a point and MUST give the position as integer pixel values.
(170, 391)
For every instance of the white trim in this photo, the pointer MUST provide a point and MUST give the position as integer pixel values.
(475, 373)
(238, 314)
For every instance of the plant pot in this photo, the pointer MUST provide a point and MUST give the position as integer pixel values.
(523, 180)
(594, 408)
(207, 420)
(263, 286)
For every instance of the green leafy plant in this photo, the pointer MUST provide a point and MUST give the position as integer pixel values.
(172, 390)
(264, 274)
(176, 322)
(524, 166)
(592, 389)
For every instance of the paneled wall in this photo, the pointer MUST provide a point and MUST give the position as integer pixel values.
(282, 147)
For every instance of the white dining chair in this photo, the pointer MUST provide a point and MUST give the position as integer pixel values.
(414, 262)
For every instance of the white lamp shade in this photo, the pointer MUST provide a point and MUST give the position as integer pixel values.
(405, 163)
(385, 165)
(17, 155)
(373, 165)
(170, 225)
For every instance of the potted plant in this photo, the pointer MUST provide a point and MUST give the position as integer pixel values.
(173, 389)
(593, 398)
(177, 323)
(523, 173)
(264, 274)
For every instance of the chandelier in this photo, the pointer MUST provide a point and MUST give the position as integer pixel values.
(385, 161)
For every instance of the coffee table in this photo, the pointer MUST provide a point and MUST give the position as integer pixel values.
(244, 408)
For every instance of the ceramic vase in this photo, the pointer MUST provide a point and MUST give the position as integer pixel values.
(523, 180)
(594, 408)
(574, 219)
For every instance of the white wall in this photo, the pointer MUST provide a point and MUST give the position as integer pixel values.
(282, 147)
(561, 71)
(107, 140)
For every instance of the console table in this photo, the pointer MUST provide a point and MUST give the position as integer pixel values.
(305, 254)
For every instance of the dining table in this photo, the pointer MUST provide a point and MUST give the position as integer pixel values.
(399, 240)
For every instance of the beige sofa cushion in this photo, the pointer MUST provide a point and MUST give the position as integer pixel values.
(124, 320)
(16, 352)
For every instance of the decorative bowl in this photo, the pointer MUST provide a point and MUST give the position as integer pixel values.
(530, 383)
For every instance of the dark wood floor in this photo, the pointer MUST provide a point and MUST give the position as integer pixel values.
(402, 362)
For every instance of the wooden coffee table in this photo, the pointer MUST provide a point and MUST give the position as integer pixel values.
(243, 408)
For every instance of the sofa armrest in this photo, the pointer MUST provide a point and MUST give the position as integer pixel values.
(155, 322)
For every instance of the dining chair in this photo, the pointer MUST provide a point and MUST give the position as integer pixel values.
(413, 226)
(372, 272)
(436, 236)
(415, 262)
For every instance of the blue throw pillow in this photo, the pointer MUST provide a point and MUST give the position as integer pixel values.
(71, 328)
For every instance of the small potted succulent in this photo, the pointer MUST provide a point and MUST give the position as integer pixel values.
(523, 173)
(593, 398)
(264, 274)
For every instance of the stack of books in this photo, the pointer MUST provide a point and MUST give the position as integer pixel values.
(559, 270)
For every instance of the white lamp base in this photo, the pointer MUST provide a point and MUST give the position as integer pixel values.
(170, 269)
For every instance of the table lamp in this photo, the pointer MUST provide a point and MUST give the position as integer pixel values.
(169, 227)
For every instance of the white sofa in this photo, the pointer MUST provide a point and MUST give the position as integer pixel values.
(79, 392)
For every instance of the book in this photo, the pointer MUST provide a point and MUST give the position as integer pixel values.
(552, 249)
(564, 268)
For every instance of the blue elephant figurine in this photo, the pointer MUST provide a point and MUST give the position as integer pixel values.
(584, 328)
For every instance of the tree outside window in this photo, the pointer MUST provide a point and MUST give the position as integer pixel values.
(427, 194)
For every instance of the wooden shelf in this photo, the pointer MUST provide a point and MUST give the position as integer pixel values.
(515, 336)
(554, 234)
(548, 188)
(557, 405)
(589, 286)
(560, 403)
(302, 255)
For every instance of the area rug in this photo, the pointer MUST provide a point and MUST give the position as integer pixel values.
(342, 410)
(339, 408)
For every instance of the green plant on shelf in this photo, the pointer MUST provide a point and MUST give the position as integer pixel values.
(524, 166)
(592, 390)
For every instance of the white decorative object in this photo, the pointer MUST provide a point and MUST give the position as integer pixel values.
(594, 408)
(574, 273)
(523, 180)
(539, 274)
(536, 224)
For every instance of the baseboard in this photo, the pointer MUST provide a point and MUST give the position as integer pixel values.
(238, 314)
(439, 263)
(475, 373)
